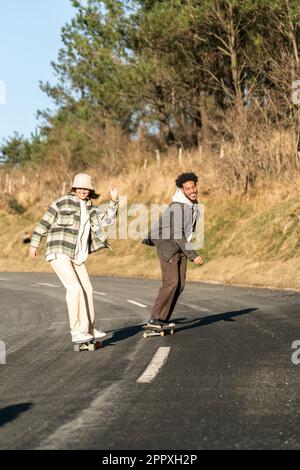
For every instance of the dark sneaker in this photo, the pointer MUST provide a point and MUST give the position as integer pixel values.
(168, 323)
(155, 323)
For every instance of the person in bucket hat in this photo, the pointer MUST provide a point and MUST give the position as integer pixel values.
(73, 227)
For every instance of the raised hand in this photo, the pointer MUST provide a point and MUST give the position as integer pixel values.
(114, 193)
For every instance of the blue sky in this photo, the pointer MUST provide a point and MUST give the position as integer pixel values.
(29, 41)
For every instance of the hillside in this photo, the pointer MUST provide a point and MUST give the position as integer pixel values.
(251, 239)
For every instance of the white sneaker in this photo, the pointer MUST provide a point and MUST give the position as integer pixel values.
(81, 337)
(98, 334)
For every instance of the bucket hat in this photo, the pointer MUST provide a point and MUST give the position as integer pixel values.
(82, 180)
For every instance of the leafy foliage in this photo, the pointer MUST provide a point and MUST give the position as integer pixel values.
(178, 73)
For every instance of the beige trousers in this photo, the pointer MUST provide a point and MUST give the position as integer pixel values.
(79, 294)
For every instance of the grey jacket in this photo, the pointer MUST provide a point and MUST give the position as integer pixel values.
(170, 235)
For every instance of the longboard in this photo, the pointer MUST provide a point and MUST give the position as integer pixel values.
(152, 331)
(91, 345)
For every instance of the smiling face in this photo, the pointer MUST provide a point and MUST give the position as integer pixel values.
(82, 193)
(190, 190)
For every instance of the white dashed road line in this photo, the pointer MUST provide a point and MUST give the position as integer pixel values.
(105, 300)
(155, 365)
(46, 284)
(4, 279)
(99, 293)
(110, 319)
(137, 303)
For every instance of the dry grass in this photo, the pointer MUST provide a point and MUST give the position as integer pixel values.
(250, 238)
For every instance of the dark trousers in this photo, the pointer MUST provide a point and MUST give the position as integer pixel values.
(173, 280)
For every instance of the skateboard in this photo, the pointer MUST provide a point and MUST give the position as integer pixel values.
(151, 331)
(91, 345)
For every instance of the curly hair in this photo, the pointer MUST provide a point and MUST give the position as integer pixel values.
(184, 177)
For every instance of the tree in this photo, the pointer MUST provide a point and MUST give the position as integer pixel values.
(16, 150)
(177, 72)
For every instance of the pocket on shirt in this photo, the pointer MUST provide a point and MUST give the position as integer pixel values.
(65, 218)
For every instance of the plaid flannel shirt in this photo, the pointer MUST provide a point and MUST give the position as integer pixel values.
(61, 222)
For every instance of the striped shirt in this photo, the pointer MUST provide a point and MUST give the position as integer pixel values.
(61, 223)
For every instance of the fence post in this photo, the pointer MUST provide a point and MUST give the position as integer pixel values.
(7, 188)
(6, 184)
(222, 152)
(157, 157)
(180, 155)
(200, 151)
(278, 162)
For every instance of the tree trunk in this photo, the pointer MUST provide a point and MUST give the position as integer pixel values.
(204, 133)
(234, 66)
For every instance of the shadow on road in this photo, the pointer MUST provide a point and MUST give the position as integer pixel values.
(201, 321)
(121, 334)
(9, 413)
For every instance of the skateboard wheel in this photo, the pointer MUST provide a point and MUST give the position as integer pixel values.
(145, 335)
(171, 332)
(162, 333)
(91, 347)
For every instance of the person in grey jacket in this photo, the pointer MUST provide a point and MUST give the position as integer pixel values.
(172, 236)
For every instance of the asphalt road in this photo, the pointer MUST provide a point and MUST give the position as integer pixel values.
(228, 380)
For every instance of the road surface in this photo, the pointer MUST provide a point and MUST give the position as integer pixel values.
(224, 380)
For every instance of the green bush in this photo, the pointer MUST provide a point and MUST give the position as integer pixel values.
(15, 206)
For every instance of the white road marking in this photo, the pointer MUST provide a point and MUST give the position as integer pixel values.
(137, 303)
(155, 365)
(123, 318)
(105, 300)
(99, 293)
(4, 279)
(71, 433)
(46, 284)
(99, 415)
